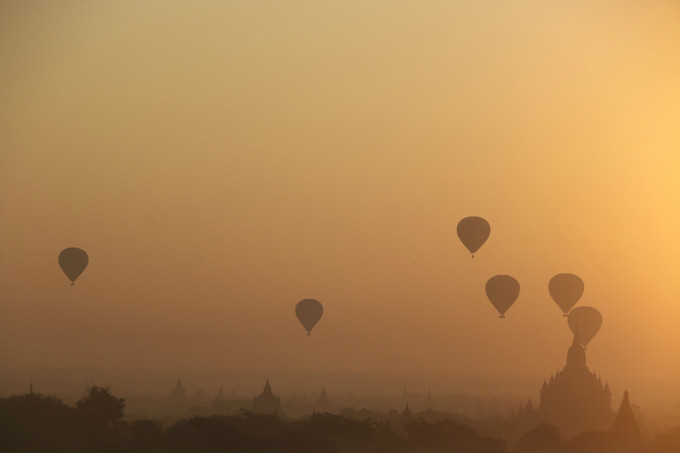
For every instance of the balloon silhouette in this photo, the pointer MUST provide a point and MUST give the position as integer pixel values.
(309, 311)
(502, 291)
(73, 262)
(584, 323)
(565, 290)
(473, 233)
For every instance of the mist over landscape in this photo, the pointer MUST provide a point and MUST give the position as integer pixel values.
(297, 226)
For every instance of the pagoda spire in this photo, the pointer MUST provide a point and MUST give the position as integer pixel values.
(625, 426)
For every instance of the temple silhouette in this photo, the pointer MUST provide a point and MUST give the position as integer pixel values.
(574, 400)
(625, 433)
(323, 404)
(178, 396)
(266, 402)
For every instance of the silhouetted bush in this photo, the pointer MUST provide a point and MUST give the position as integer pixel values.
(591, 442)
(37, 423)
(100, 406)
(543, 438)
(203, 434)
(144, 436)
(449, 436)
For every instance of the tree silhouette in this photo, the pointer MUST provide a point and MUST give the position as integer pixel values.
(449, 436)
(100, 406)
(36, 423)
(543, 438)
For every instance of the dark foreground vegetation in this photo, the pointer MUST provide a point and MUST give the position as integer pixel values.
(37, 423)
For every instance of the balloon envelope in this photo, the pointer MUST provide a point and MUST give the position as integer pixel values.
(502, 291)
(584, 323)
(73, 262)
(309, 311)
(473, 232)
(566, 290)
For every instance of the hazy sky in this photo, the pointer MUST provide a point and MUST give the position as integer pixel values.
(221, 160)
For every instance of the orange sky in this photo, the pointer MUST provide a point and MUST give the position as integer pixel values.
(220, 161)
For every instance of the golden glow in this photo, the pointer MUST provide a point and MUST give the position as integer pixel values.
(220, 161)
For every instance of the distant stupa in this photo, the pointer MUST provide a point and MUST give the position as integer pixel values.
(323, 404)
(266, 402)
(178, 394)
(407, 413)
(625, 430)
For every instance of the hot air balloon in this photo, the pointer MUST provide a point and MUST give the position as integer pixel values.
(586, 321)
(73, 262)
(565, 290)
(502, 291)
(473, 233)
(309, 311)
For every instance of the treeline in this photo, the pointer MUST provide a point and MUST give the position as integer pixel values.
(37, 423)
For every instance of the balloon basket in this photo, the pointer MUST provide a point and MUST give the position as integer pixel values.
(565, 315)
(309, 333)
(73, 283)
(502, 316)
